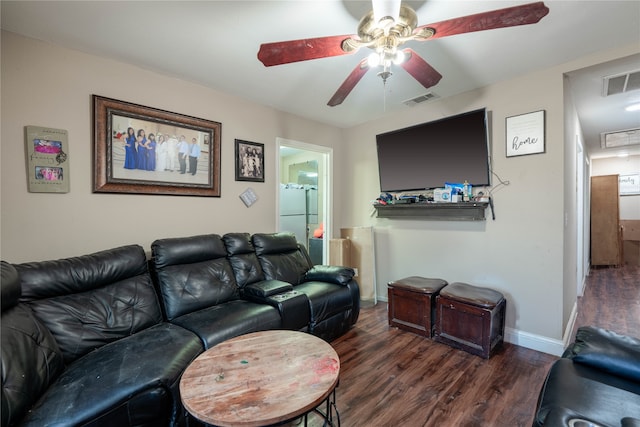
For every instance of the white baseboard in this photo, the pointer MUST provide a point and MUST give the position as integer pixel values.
(542, 343)
(568, 332)
(534, 342)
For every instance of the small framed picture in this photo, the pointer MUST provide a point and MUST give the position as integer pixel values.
(47, 160)
(525, 134)
(249, 161)
(629, 184)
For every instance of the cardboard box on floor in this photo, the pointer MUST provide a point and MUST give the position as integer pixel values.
(631, 241)
(355, 249)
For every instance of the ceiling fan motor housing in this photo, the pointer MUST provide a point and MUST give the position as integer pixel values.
(369, 29)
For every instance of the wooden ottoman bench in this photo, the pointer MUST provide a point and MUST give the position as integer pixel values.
(412, 303)
(470, 318)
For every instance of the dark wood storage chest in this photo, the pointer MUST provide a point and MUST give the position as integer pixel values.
(412, 304)
(470, 318)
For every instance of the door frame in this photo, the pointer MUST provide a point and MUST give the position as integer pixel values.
(327, 199)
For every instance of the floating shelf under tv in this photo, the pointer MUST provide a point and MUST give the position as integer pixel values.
(463, 211)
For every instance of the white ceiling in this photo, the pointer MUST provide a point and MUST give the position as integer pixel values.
(215, 43)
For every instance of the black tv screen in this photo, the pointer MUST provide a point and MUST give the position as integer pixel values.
(454, 149)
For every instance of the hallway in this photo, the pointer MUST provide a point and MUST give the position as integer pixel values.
(611, 300)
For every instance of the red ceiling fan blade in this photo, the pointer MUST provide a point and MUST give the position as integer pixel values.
(301, 50)
(501, 18)
(347, 86)
(424, 73)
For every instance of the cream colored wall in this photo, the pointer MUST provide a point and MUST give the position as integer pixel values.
(521, 253)
(45, 85)
(629, 205)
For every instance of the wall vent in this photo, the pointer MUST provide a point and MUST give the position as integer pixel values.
(619, 139)
(621, 83)
(418, 99)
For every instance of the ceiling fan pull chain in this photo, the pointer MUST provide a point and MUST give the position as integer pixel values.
(384, 96)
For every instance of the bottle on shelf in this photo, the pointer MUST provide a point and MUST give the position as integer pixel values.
(466, 191)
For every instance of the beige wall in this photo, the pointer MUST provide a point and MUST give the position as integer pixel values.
(523, 253)
(45, 85)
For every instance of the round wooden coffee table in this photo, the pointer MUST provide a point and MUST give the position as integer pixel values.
(262, 378)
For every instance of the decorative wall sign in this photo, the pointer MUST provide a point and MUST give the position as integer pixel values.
(248, 197)
(47, 160)
(629, 184)
(525, 134)
(144, 150)
(249, 161)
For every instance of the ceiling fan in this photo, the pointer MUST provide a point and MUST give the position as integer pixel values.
(384, 29)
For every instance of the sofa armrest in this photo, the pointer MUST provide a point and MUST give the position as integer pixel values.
(266, 288)
(606, 351)
(330, 274)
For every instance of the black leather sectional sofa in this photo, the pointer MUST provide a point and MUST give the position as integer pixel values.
(596, 383)
(102, 339)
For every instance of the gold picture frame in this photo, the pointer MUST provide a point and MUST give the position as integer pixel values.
(153, 159)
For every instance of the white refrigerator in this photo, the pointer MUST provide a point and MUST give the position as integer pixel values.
(293, 212)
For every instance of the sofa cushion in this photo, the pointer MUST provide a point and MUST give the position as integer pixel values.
(10, 289)
(326, 299)
(46, 279)
(274, 243)
(29, 355)
(192, 273)
(187, 250)
(243, 259)
(330, 274)
(135, 379)
(221, 322)
(89, 301)
(192, 287)
(607, 351)
(281, 257)
(238, 243)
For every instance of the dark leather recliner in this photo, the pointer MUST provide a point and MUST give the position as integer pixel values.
(220, 287)
(198, 290)
(597, 380)
(334, 297)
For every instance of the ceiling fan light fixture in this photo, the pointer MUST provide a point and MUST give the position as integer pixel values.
(399, 57)
(386, 12)
(384, 30)
(373, 60)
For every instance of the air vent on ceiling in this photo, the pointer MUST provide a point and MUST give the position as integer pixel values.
(621, 83)
(620, 138)
(418, 99)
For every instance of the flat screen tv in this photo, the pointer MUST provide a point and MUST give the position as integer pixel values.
(454, 149)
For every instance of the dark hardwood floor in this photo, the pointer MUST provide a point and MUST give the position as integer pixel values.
(612, 300)
(391, 377)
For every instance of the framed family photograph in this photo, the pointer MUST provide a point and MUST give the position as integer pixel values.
(249, 161)
(144, 150)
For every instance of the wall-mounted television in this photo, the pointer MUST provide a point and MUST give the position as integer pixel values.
(453, 149)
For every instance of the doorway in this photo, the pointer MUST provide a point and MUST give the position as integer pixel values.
(304, 195)
(581, 206)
